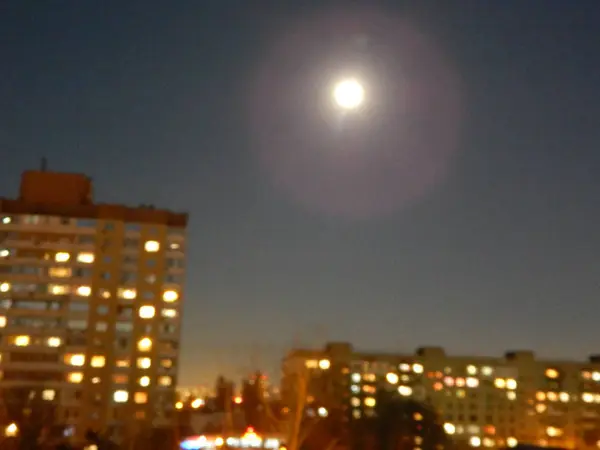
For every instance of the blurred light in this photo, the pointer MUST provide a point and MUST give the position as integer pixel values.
(512, 442)
(552, 373)
(324, 364)
(11, 430)
(475, 441)
(392, 378)
(449, 428)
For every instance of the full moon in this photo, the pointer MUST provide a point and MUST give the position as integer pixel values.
(349, 94)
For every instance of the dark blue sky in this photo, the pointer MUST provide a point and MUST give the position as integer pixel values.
(158, 102)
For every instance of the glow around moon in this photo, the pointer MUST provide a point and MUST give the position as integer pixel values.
(349, 94)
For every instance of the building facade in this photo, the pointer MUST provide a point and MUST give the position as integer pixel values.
(90, 304)
(483, 402)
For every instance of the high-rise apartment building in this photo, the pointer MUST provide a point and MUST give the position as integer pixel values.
(483, 402)
(90, 306)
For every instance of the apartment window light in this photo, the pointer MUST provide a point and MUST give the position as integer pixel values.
(144, 381)
(170, 296)
(4, 253)
(58, 289)
(98, 361)
(4, 287)
(144, 363)
(6, 220)
(59, 272)
(121, 396)
(75, 377)
(152, 246)
(85, 258)
(169, 313)
(140, 397)
(84, 291)
(22, 341)
(144, 344)
(165, 381)
(62, 257)
(2, 321)
(54, 341)
(120, 378)
(127, 294)
(48, 394)
(77, 359)
(122, 363)
(146, 312)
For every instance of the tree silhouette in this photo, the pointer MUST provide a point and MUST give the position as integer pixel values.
(400, 424)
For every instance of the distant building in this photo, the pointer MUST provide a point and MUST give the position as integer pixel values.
(483, 401)
(90, 298)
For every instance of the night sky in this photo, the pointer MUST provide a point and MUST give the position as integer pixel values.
(459, 207)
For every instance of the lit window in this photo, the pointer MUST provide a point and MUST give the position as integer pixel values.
(587, 397)
(472, 370)
(75, 377)
(512, 442)
(127, 294)
(166, 363)
(4, 287)
(511, 395)
(475, 441)
(59, 272)
(96, 380)
(98, 361)
(122, 363)
(121, 396)
(449, 428)
(500, 383)
(511, 384)
(472, 382)
(4, 253)
(170, 296)
(120, 379)
(563, 397)
(144, 381)
(392, 378)
(84, 291)
(144, 344)
(540, 407)
(152, 246)
(552, 373)
(77, 359)
(172, 313)
(54, 341)
(2, 321)
(174, 246)
(487, 371)
(165, 381)
(322, 412)
(62, 257)
(85, 258)
(370, 402)
(58, 289)
(417, 368)
(144, 363)
(146, 312)
(6, 220)
(405, 391)
(140, 397)
(309, 363)
(48, 394)
(179, 405)
(324, 364)
(104, 293)
(22, 341)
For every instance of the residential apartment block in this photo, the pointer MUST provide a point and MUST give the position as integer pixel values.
(483, 402)
(90, 304)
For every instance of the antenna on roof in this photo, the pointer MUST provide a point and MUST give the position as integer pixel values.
(44, 164)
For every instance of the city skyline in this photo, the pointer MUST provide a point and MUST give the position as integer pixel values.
(494, 249)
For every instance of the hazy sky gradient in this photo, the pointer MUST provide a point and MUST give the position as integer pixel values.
(147, 98)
